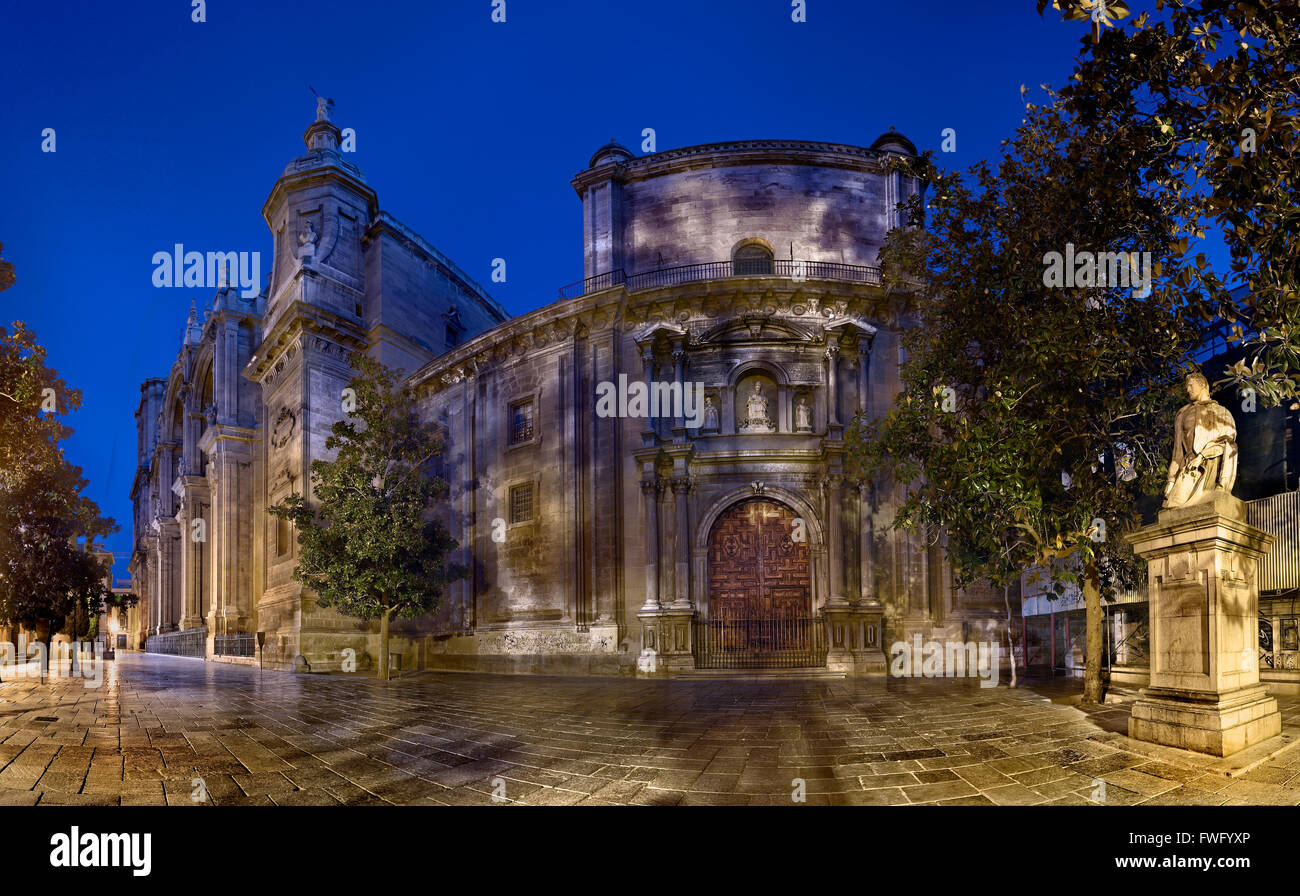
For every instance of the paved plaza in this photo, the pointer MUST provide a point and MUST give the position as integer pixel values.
(163, 730)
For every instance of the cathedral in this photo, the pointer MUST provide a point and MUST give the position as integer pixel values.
(712, 528)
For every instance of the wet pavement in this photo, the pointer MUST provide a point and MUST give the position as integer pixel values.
(167, 730)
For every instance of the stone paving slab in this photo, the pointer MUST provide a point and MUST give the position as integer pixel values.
(160, 726)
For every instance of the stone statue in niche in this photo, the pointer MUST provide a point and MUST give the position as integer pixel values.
(757, 418)
(802, 414)
(1205, 449)
(710, 413)
(307, 242)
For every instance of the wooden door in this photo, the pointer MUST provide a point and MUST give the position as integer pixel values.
(758, 578)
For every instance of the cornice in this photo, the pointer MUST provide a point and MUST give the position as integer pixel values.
(729, 154)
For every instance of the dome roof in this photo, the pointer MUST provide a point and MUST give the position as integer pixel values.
(892, 141)
(613, 151)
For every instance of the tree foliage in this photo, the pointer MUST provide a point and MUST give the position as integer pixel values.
(1215, 84)
(1033, 418)
(44, 512)
(371, 543)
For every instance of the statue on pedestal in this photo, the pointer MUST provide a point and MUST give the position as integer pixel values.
(1205, 448)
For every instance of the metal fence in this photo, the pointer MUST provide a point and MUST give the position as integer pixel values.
(242, 644)
(775, 643)
(1278, 515)
(192, 642)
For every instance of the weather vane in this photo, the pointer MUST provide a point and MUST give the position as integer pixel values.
(323, 105)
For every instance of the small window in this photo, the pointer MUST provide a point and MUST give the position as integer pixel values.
(521, 503)
(521, 422)
(455, 330)
(281, 536)
(751, 261)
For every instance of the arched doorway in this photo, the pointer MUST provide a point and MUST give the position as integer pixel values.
(760, 596)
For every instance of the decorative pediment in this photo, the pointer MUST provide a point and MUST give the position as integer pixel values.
(756, 328)
(648, 334)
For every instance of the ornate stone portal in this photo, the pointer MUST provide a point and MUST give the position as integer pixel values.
(1202, 556)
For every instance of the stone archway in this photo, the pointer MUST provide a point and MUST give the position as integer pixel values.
(760, 581)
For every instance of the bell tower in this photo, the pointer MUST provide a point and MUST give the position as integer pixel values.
(318, 212)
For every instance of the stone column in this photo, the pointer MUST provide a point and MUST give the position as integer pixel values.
(667, 540)
(682, 545)
(834, 541)
(651, 429)
(866, 547)
(226, 371)
(1203, 582)
(679, 373)
(864, 359)
(832, 390)
(168, 545)
(650, 491)
(191, 557)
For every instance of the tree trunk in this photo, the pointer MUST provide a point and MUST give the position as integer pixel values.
(1092, 686)
(383, 645)
(1011, 643)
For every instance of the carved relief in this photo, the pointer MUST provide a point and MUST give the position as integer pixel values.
(283, 428)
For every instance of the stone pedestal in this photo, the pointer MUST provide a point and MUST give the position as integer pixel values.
(666, 642)
(1205, 693)
(853, 639)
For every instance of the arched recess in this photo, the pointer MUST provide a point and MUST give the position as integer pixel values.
(752, 257)
(803, 509)
(735, 400)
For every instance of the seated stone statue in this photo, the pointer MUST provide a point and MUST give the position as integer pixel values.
(1205, 449)
(757, 418)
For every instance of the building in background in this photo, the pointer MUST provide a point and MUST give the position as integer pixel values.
(721, 533)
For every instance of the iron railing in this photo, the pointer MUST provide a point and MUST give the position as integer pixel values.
(191, 642)
(773, 643)
(714, 270)
(234, 645)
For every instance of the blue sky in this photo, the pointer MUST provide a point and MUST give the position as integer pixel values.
(170, 131)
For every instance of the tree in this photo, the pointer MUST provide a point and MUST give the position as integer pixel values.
(6, 271)
(1215, 84)
(43, 510)
(1035, 411)
(371, 544)
(45, 576)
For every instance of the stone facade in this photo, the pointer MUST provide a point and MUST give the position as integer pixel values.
(250, 401)
(594, 541)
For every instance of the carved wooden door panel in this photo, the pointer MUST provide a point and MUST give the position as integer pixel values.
(758, 577)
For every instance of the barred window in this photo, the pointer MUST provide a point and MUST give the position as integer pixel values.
(521, 422)
(521, 503)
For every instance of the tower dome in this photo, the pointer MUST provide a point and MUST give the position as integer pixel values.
(613, 151)
(892, 141)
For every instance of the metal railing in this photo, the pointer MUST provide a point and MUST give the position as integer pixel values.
(191, 642)
(790, 269)
(775, 643)
(243, 644)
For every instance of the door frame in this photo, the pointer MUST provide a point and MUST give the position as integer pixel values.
(817, 573)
